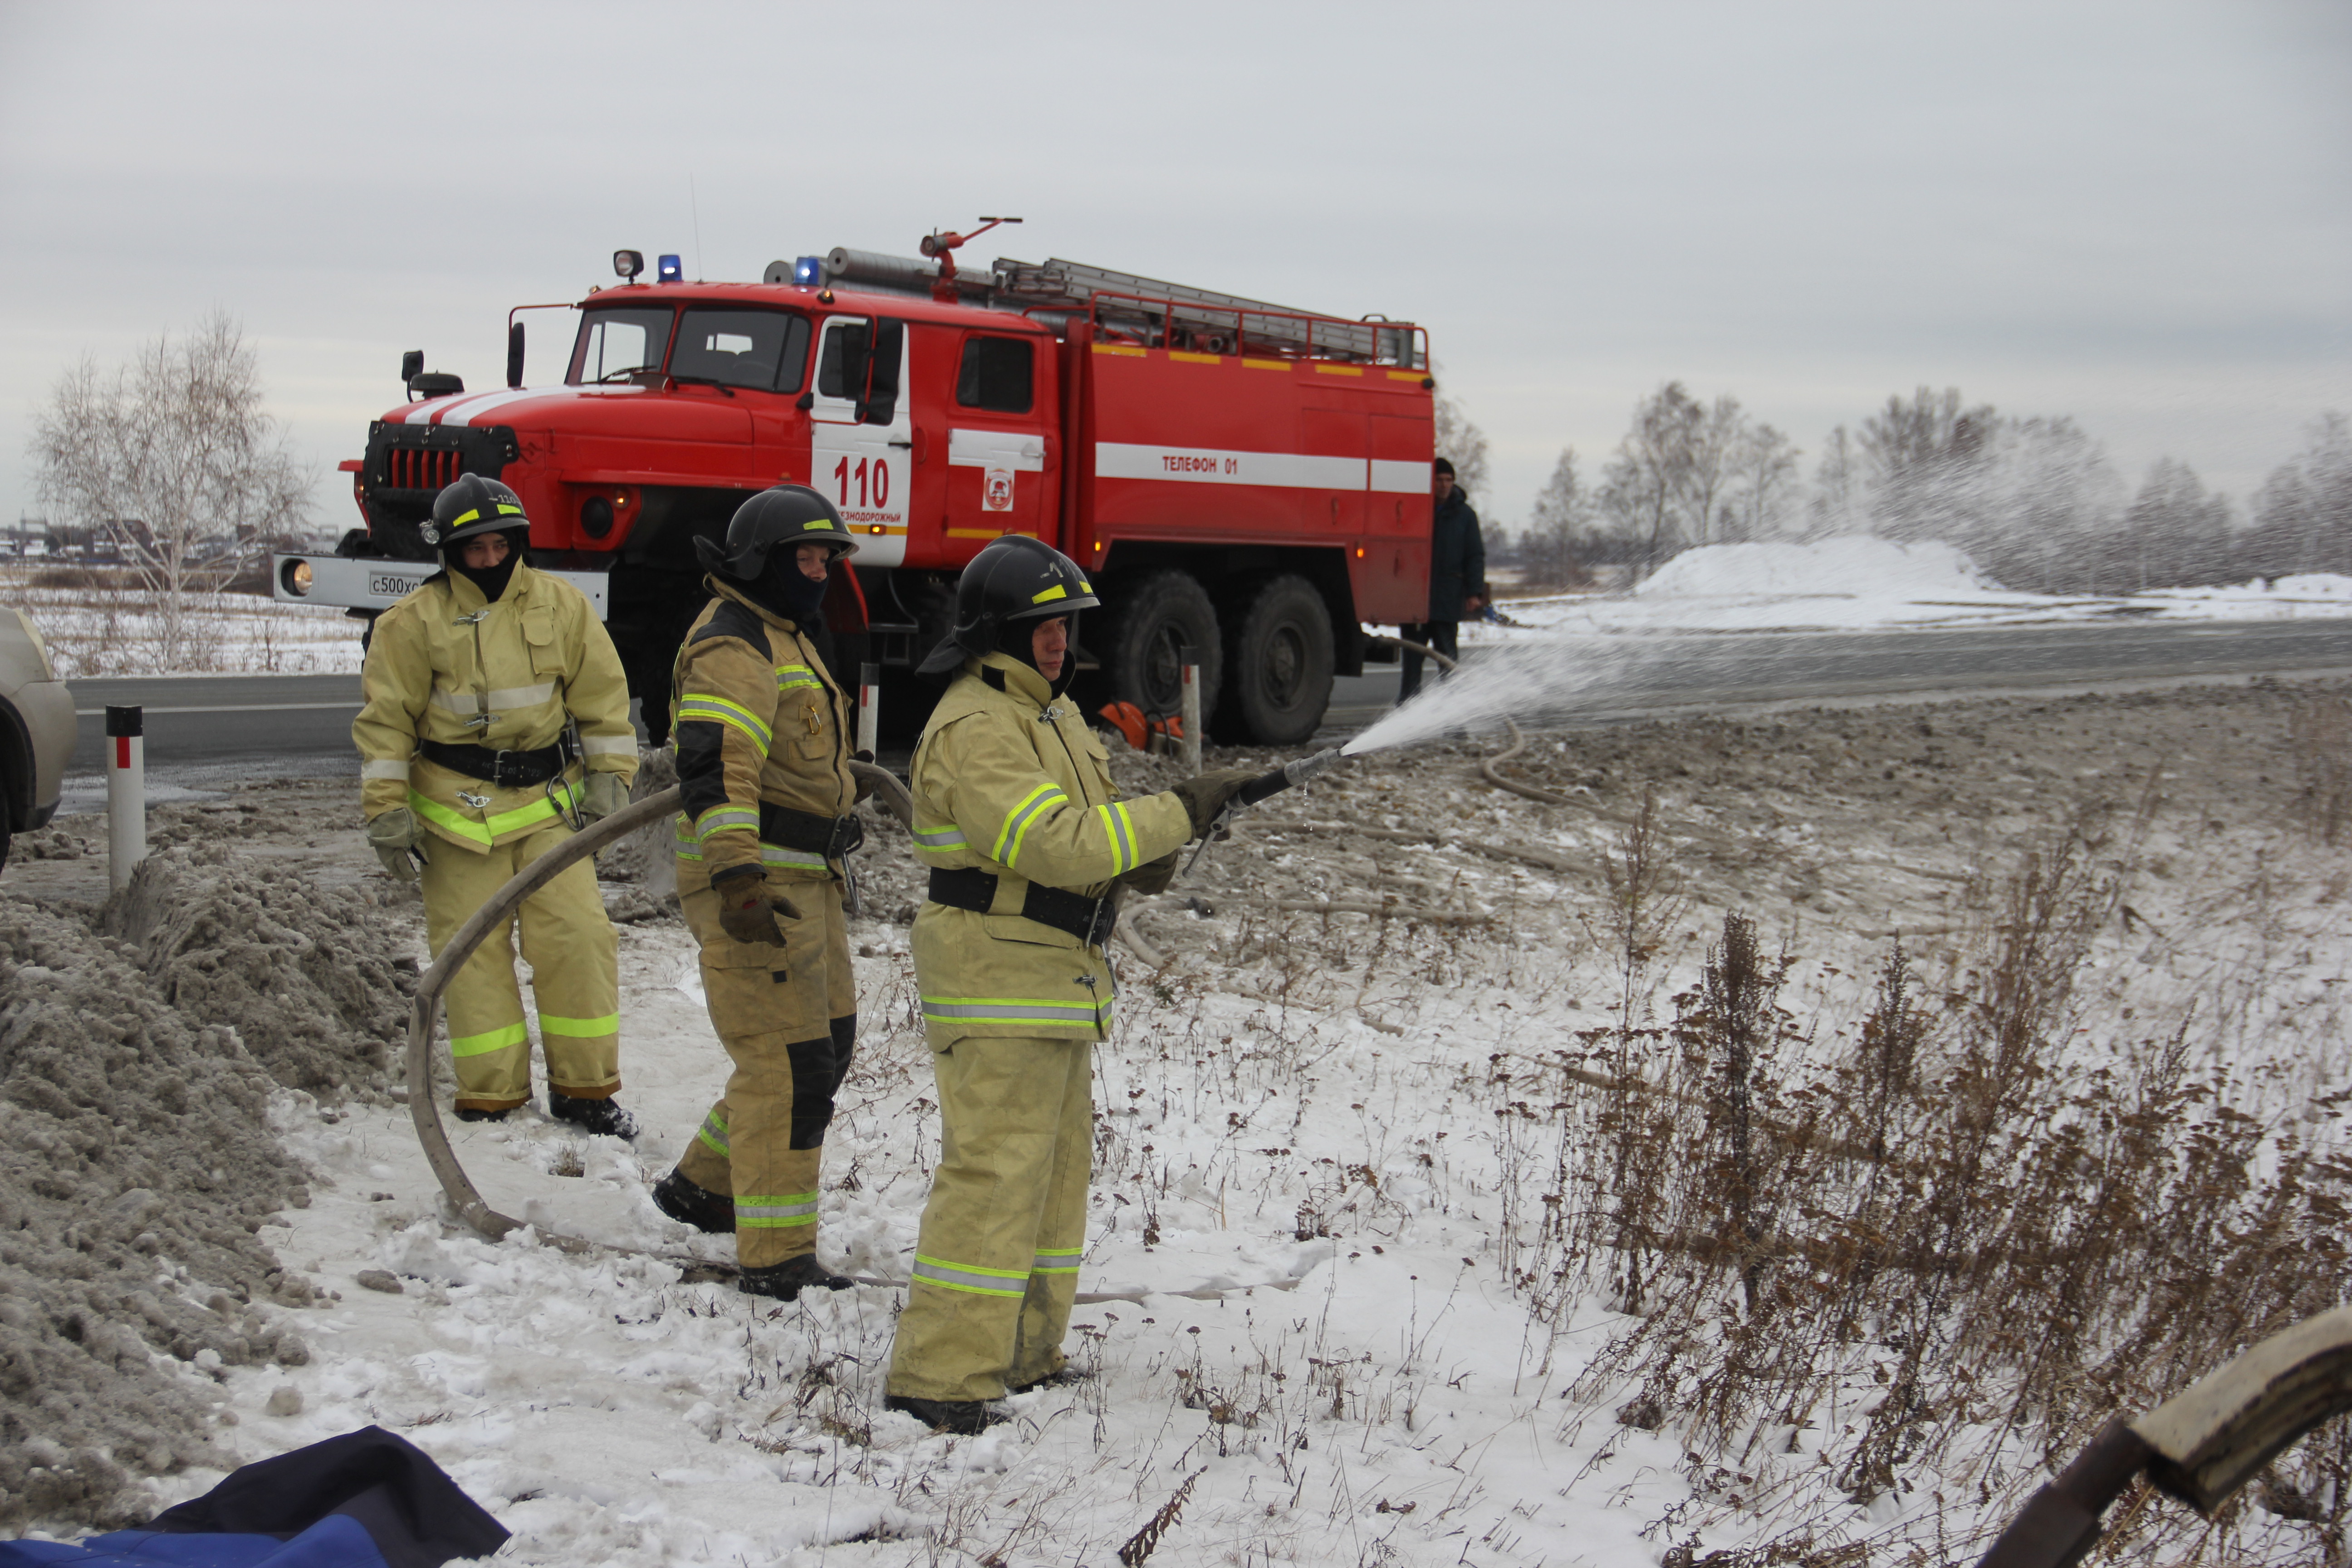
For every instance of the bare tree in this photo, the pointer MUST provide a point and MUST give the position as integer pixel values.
(1463, 444)
(1709, 472)
(1921, 457)
(172, 458)
(2176, 531)
(2302, 514)
(1644, 488)
(1763, 467)
(1838, 505)
(1563, 511)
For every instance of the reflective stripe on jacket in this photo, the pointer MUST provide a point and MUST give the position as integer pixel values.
(446, 664)
(1010, 782)
(755, 717)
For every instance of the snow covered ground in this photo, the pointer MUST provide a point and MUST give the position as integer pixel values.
(1313, 1216)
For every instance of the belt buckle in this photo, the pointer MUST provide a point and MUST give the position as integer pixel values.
(498, 771)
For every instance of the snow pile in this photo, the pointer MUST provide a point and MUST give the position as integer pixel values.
(137, 1160)
(314, 980)
(1851, 566)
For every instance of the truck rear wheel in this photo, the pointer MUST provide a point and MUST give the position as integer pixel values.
(1150, 621)
(1278, 667)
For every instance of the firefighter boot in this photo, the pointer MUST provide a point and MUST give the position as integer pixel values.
(598, 1116)
(689, 1202)
(964, 1418)
(784, 1281)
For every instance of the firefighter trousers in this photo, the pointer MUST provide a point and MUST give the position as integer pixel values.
(575, 971)
(788, 1017)
(996, 1265)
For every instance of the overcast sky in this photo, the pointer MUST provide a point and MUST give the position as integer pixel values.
(2137, 214)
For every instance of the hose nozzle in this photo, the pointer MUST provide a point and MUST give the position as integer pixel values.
(1283, 777)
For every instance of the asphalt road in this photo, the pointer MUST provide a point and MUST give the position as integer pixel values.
(207, 731)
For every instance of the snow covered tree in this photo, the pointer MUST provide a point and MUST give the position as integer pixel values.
(172, 458)
(2303, 514)
(1550, 547)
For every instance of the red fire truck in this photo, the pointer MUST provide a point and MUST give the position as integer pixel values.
(1241, 478)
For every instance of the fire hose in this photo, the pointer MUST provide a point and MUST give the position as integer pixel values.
(466, 1200)
(2201, 1446)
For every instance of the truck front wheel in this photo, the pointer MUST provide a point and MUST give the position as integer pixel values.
(1150, 620)
(1278, 667)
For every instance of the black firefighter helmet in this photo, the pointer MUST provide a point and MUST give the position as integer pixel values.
(781, 516)
(471, 506)
(1015, 578)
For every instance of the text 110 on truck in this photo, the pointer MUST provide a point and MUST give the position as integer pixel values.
(1241, 478)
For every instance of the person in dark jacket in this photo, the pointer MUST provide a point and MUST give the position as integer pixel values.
(1457, 575)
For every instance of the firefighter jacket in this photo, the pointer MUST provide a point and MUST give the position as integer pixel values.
(445, 665)
(1009, 781)
(762, 736)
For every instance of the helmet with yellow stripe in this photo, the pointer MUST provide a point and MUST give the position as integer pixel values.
(472, 506)
(1016, 578)
(782, 516)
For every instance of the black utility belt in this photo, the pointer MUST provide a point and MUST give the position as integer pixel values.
(508, 770)
(1088, 920)
(831, 836)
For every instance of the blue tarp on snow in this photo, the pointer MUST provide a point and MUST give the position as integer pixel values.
(365, 1499)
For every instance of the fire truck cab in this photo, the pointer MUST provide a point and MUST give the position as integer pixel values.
(1242, 479)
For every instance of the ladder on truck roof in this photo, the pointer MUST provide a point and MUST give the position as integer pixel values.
(1177, 315)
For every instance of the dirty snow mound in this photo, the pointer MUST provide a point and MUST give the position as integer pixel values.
(315, 980)
(1854, 565)
(136, 1163)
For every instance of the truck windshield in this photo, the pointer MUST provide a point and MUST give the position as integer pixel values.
(765, 350)
(616, 340)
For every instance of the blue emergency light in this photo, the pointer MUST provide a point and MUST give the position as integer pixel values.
(671, 273)
(809, 271)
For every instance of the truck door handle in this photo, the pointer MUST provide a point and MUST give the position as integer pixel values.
(905, 443)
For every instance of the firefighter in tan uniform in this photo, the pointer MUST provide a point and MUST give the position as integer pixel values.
(762, 742)
(1027, 842)
(496, 722)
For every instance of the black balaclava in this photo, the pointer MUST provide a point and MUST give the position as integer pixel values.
(1016, 637)
(491, 580)
(784, 588)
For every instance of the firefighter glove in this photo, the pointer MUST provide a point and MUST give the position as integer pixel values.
(748, 908)
(602, 794)
(1152, 876)
(398, 840)
(1207, 793)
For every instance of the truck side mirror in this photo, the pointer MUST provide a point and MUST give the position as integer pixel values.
(410, 364)
(514, 354)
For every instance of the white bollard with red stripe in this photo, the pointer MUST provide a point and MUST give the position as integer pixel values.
(869, 712)
(126, 792)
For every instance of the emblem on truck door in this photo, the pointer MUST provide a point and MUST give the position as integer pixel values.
(996, 495)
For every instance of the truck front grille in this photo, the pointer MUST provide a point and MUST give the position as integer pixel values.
(412, 469)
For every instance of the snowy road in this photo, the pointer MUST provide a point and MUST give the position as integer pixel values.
(203, 732)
